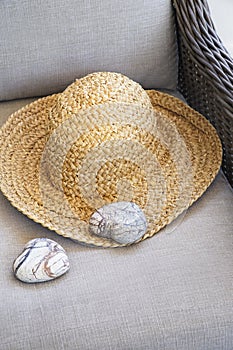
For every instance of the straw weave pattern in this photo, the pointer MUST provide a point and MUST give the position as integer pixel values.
(146, 147)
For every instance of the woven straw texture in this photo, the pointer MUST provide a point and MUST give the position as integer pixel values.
(206, 72)
(105, 139)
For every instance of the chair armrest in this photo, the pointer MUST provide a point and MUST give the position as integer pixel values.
(206, 72)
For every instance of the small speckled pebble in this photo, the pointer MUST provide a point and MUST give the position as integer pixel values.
(123, 222)
(41, 260)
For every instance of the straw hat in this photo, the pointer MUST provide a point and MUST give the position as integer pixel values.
(105, 139)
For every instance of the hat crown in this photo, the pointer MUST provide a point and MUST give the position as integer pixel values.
(95, 89)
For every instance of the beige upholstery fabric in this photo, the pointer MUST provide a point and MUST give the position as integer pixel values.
(45, 45)
(171, 292)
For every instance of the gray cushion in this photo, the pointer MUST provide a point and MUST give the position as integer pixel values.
(171, 292)
(45, 45)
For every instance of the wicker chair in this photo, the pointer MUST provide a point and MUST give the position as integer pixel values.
(206, 72)
(171, 292)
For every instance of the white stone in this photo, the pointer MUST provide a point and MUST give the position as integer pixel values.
(41, 260)
(123, 222)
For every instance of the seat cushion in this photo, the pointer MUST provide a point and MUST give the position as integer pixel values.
(45, 45)
(172, 291)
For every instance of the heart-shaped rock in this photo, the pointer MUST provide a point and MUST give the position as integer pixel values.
(41, 260)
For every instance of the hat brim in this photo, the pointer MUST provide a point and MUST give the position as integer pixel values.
(24, 136)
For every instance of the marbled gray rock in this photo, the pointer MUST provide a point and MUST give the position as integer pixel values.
(41, 260)
(123, 222)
